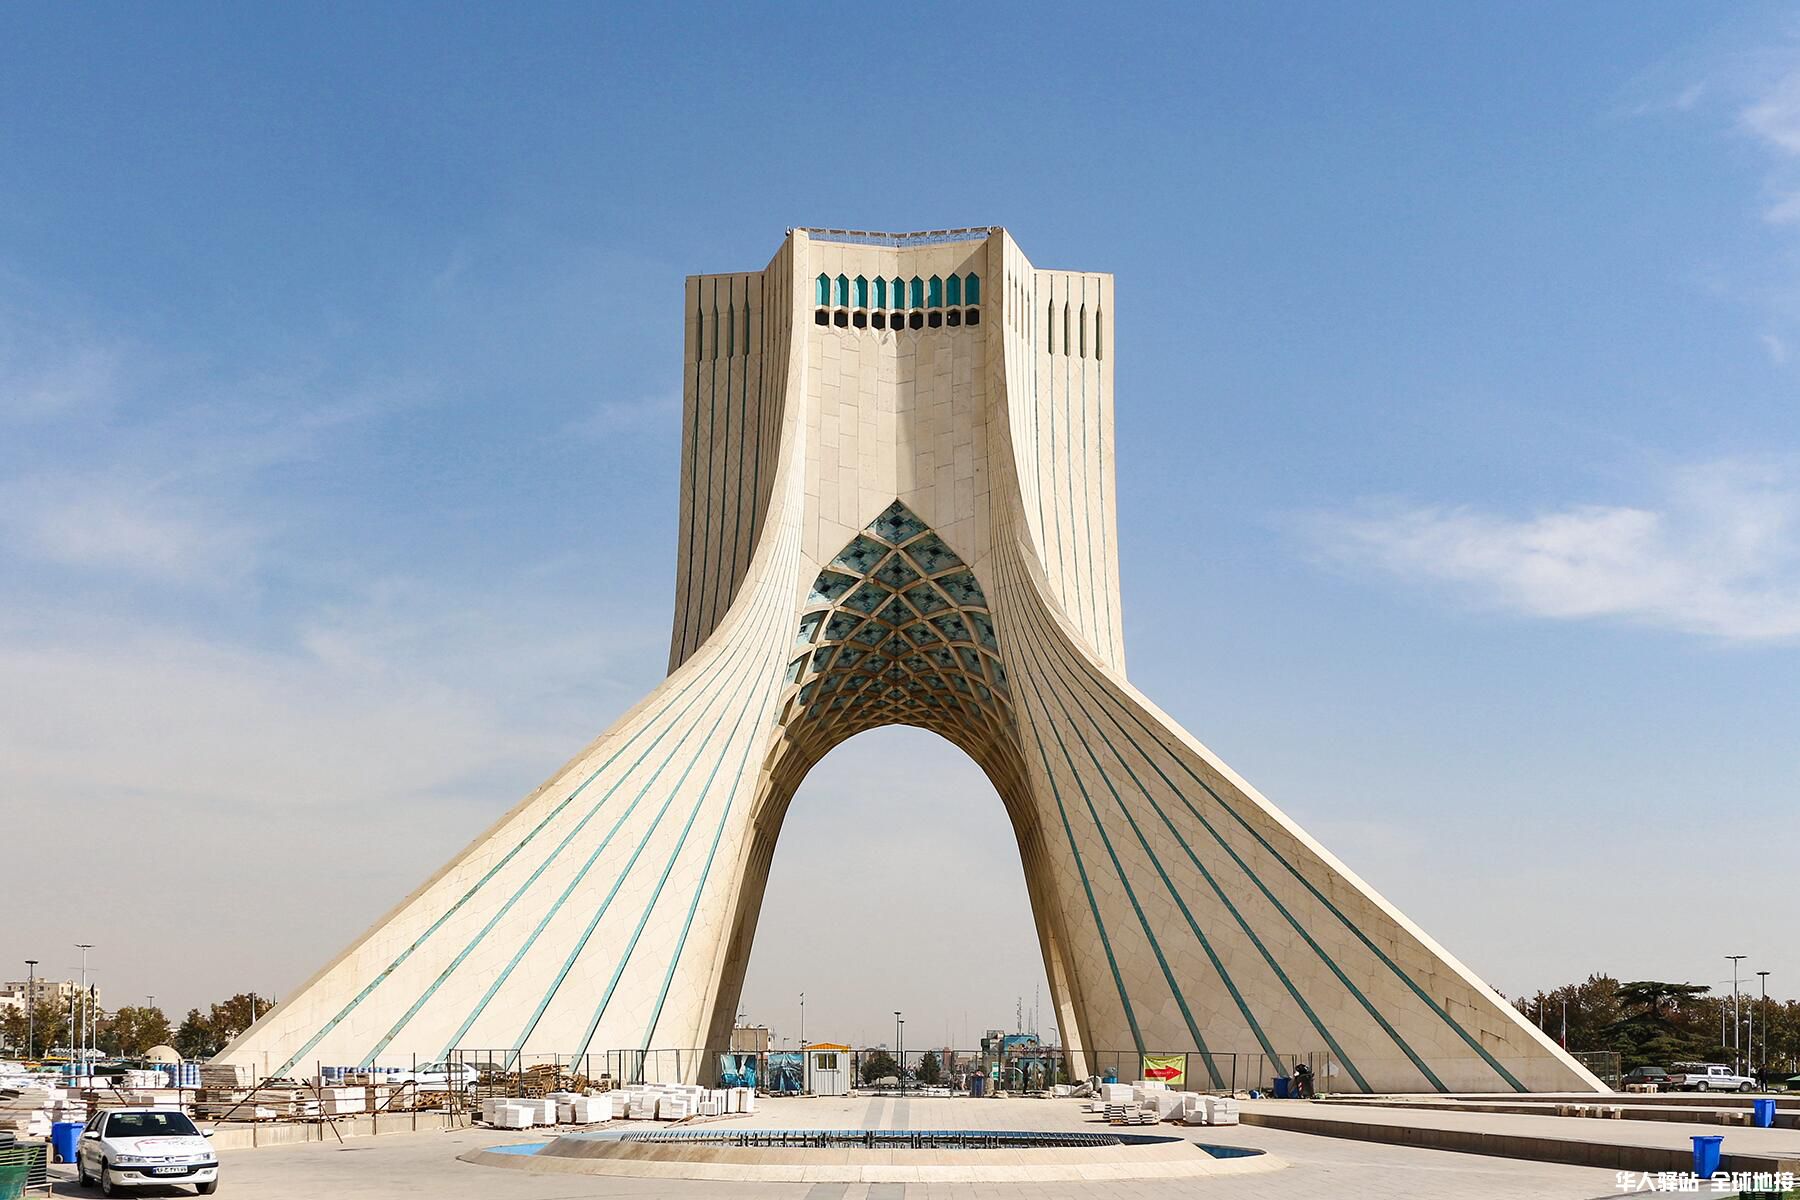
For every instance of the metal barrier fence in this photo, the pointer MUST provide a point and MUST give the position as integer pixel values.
(1017, 1068)
(1605, 1064)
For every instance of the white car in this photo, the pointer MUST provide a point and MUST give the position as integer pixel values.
(145, 1147)
(1709, 1077)
(440, 1077)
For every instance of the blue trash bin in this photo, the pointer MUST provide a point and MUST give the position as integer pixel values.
(1764, 1117)
(65, 1136)
(1707, 1154)
(1282, 1087)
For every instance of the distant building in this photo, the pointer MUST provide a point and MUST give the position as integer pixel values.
(750, 1039)
(18, 993)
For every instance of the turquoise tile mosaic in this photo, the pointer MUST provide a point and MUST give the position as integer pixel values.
(961, 587)
(867, 598)
(897, 612)
(897, 524)
(829, 586)
(932, 555)
(896, 573)
(927, 599)
(881, 633)
(860, 556)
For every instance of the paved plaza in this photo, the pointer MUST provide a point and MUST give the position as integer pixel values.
(426, 1164)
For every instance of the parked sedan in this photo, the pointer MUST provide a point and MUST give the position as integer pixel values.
(145, 1147)
(1656, 1076)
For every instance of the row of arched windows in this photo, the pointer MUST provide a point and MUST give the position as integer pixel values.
(937, 292)
(1076, 331)
(844, 318)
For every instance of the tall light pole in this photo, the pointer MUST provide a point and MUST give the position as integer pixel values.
(1737, 1033)
(84, 947)
(1764, 977)
(803, 1020)
(30, 1006)
(897, 1076)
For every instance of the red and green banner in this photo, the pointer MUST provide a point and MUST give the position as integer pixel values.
(1170, 1068)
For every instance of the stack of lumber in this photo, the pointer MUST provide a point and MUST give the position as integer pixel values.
(276, 1099)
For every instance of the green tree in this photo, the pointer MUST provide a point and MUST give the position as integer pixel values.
(132, 1030)
(931, 1071)
(12, 1028)
(1662, 1023)
(878, 1064)
(52, 1024)
(195, 1038)
(235, 1015)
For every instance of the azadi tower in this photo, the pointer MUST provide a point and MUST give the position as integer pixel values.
(898, 507)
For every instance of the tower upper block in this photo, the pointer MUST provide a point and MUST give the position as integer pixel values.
(898, 507)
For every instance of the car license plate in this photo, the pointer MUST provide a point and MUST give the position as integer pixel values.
(168, 1170)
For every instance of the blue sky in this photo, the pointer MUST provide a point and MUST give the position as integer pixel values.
(1457, 425)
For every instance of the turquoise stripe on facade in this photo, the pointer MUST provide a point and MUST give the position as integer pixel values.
(1468, 1039)
(773, 672)
(492, 871)
(1243, 924)
(772, 628)
(1423, 1067)
(523, 888)
(694, 901)
(1174, 894)
(1124, 881)
(569, 890)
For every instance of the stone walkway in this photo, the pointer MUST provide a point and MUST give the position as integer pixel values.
(1530, 1129)
(425, 1164)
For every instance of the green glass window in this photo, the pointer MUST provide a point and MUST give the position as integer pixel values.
(935, 298)
(899, 293)
(917, 297)
(843, 290)
(824, 289)
(953, 290)
(862, 291)
(880, 292)
(972, 288)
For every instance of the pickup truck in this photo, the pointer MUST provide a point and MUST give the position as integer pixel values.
(1709, 1077)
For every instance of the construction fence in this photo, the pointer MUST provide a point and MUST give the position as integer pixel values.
(1015, 1069)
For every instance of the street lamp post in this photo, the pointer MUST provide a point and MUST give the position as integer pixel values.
(1736, 1020)
(1764, 977)
(30, 1006)
(899, 1078)
(803, 1020)
(84, 947)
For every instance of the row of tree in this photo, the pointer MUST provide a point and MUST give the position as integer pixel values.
(879, 1064)
(1650, 1022)
(1646, 1022)
(131, 1030)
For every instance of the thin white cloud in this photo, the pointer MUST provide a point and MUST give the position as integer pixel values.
(1718, 554)
(113, 523)
(51, 368)
(1773, 116)
(619, 418)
